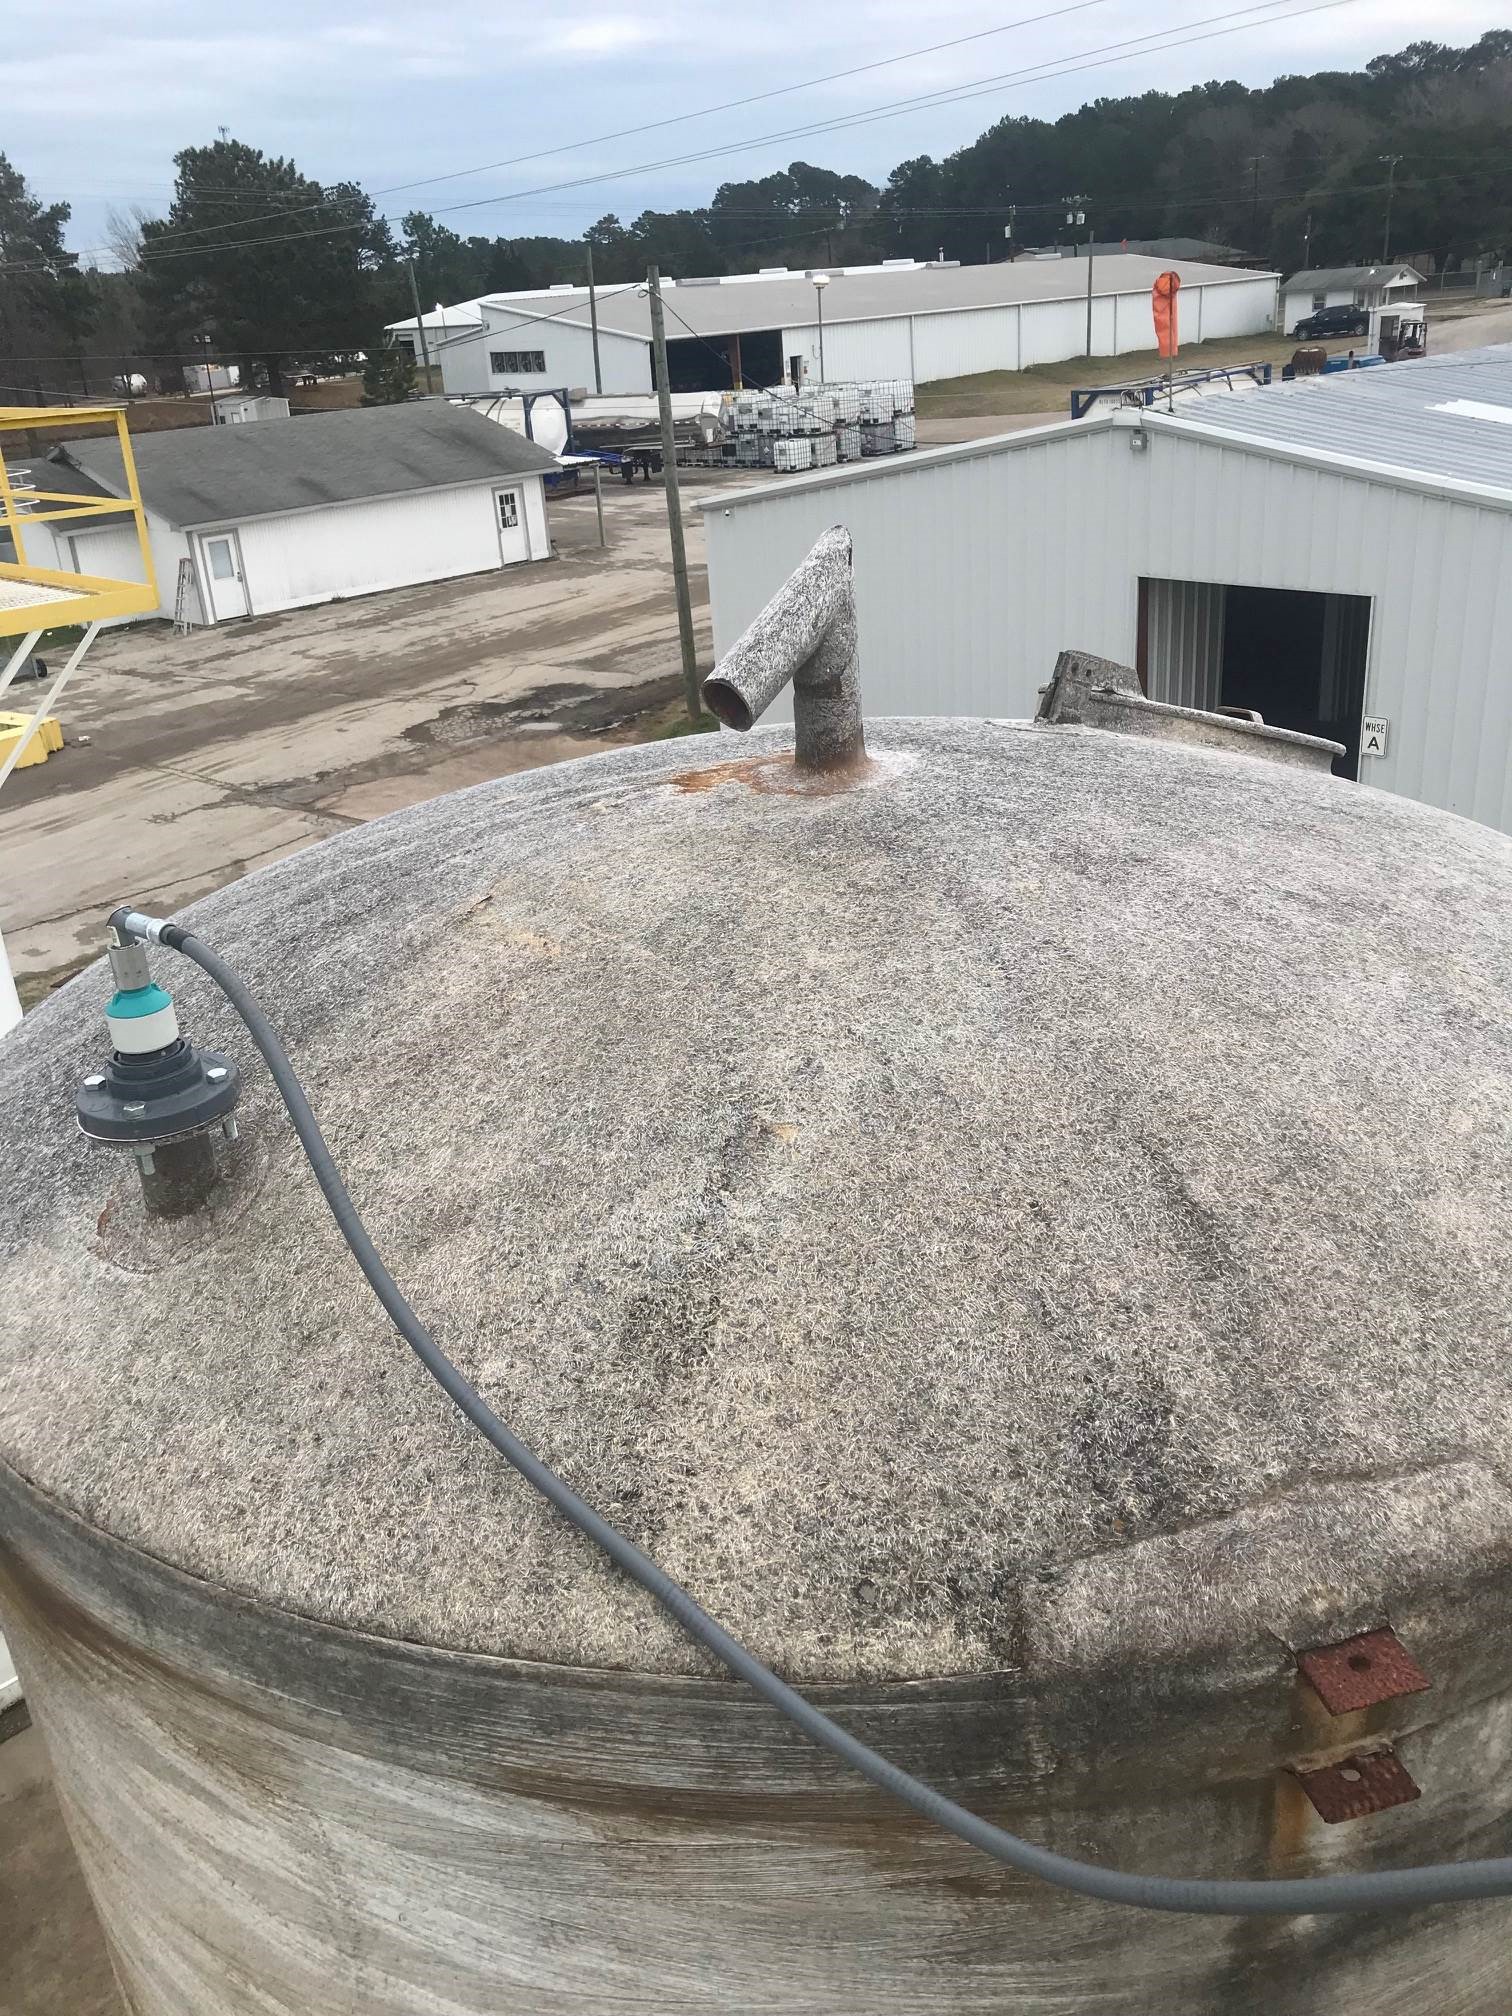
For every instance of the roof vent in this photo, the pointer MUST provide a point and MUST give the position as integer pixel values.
(1091, 692)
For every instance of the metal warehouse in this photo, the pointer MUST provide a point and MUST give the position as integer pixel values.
(1335, 554)
(246, 520)
(908, 321)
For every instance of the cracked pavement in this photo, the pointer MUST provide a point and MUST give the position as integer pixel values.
(212, 754)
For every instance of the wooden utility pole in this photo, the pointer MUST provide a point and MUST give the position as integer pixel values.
(420, 323)
(674, 501)
(1390, 161)
(1076, 216)
(598, 376)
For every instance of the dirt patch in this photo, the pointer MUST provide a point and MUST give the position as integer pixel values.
(1047, 388)
(572, 709)
(35, 987)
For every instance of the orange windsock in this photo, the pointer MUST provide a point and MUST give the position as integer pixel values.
(1164, 293)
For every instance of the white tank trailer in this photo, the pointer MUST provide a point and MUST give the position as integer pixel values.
(1015, 1216)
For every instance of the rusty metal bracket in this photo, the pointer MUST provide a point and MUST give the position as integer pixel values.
(1359, 1785)
(1360, 1672)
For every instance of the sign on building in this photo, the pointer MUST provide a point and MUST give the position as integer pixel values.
(1373, 731)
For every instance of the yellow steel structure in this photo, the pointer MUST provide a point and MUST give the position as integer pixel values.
(35, 598)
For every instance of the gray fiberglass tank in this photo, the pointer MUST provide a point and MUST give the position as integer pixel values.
(1017, 1220)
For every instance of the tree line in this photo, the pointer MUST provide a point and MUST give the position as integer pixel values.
(256, 263)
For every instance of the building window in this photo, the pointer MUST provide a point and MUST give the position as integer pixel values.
(518, 362)
(1319, 301)
(509, 510)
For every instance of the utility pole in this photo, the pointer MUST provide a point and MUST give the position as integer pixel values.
(208, 340)
(1076, 215)
(1255, 160)
(1391, 161)
(1307, 243)
(674, 500)
(419, 321)
(598, 376)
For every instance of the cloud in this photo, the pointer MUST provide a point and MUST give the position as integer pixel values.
(383, 93)
(602, 35)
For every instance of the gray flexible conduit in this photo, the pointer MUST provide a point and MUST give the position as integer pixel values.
(1393, 1889)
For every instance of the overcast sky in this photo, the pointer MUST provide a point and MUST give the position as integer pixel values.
(386, 92)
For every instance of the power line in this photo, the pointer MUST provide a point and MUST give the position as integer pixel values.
(1115, 52)
(935, 100)
(683, 118)
(754, 98)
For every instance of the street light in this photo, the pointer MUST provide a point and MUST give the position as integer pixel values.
(821, 281)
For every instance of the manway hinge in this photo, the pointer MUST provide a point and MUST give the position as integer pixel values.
(1355, 1674)
(1361, 1672)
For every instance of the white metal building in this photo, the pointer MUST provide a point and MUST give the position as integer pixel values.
(1335, 553)
(326, 506)
(1345, 287)
(237, 408)
(913, 322)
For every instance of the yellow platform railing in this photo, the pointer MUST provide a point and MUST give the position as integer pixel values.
(66, 597)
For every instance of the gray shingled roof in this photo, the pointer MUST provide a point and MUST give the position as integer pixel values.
(219, 475)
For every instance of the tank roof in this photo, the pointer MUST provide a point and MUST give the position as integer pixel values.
(883, 1199)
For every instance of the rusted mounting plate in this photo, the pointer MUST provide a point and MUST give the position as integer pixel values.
(1357, 1786)
(1359, 1672)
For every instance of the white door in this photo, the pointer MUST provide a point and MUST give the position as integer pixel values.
(514, 542)
(223, 564)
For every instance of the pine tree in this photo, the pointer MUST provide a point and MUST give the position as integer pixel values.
(388, 377)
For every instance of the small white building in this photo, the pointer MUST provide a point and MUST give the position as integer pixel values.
(1335, 553)
(905, 321)
(237, 408)
(212, 377)
(1345, 287)
(254, 519)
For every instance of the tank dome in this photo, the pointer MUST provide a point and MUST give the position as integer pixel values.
(941, 1211)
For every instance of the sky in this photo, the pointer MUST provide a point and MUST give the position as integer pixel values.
(392, 94)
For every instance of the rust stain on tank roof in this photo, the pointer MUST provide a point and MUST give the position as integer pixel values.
(774, 774)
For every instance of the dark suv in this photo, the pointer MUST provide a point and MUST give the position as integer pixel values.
(1333, 322)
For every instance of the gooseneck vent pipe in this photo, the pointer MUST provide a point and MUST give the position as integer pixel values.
(1378, 1890)
(806, 634)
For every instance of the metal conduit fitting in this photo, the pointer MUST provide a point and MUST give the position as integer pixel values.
(806, 634)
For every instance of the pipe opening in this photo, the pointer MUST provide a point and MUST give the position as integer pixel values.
(727, 704)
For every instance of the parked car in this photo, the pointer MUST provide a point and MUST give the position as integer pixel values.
(1348, 321)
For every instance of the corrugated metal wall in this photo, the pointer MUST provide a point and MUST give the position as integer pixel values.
(852, 350)
(960, 342)
(356, 549)
(625, 361)
(1184, 642)
(975, 339)
(975, 567)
